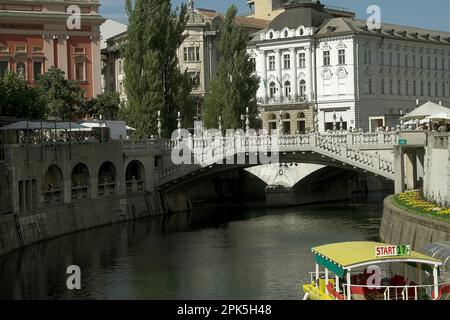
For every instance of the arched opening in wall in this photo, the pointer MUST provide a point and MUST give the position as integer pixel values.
(302, 91)
(107, 179)
(301, 122)
(80, 182)
(272, 122)
(53, 185)
(272, 90)
(286, 118)
(135, 177)
(287, 90)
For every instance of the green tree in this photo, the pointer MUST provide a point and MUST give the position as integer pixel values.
(18, 100)
(234, 89)
(64, 98)
(106, 105)
(153, 79)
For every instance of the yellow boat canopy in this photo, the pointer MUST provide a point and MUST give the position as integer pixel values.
(339, 257)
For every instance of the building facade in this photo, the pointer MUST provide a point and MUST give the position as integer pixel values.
(35, 35)
(321, 71)
(198, 55)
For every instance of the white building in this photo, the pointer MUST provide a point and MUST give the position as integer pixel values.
(321, 69)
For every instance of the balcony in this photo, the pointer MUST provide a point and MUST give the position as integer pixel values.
(282, 100)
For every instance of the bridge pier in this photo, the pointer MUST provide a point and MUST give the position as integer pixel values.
(409, 167)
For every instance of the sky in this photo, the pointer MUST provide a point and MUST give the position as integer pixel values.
(430, 14)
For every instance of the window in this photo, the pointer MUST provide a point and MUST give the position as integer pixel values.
(272, 90)
(391, 87)
(382, 87)
(390, 58)
(429, 88)
(407, 87)
(287, 89)
(399, 87)
(271, 63)
(370, 56)
(435, 63)
(436, 89)
(444, 91)
(406, 61)
(253, 62)
(37, 70)
(302, 88)
(286, 33)
(341, 55)
(382, 58)
(80, 71)
(302, 60)
(398, 59)
(21, 49)
(414, 88)
(21, 70)
(421, 62)
(429, 62)
(195, 77)
(326, 58)
(287, 61)
(369, 84)
(80, 50)
(422, 88)
(191, 54)
(414, 61)
(3, 68)
(443, 64)
(37, 49)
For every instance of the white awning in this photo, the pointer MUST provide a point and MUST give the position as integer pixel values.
(426, 110)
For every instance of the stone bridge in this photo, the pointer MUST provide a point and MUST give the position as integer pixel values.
(208, 156)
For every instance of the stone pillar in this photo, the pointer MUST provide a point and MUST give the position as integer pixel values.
(48, 52)
(279, 68)
(96, 66)
(264, 75)
(63, 62)
(420, 152)
(411, 169)
(294, 84)
(399, 167)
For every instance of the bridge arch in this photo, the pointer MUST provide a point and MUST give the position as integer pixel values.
(80, 181)
(107, 179)
(135, 176)
(53, 185)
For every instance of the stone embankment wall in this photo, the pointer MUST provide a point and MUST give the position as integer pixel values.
(17, 231)
(399, 226)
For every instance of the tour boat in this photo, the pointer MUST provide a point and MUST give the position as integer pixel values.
(374, 271)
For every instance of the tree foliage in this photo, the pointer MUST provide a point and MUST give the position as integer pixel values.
(153, 81)
(234, 89)
(18, 100)
(106, 105)
(64, 98)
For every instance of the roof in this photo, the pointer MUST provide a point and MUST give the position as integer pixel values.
(305, 13)
(353, 254)
(111, 28)
(426, 110)
(37, 125)
(342, 25)
(240, 20)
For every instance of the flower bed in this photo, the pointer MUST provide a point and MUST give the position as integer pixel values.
(415, 203)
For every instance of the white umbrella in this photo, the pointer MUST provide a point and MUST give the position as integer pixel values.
(439, 117)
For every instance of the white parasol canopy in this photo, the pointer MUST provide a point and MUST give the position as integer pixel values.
(425, 110)
(439, 117)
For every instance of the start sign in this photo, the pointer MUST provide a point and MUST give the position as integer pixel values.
(392, 251)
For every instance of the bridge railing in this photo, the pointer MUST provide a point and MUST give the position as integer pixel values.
(206, 151)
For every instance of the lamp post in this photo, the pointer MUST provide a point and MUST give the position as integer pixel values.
(247, 120)
(159, 124)
(281, 127)
(334, 121)
(179, 124)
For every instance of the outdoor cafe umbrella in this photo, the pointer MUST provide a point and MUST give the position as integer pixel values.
(425, 110)
(439, 117)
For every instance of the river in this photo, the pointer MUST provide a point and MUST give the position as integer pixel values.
(215, 252)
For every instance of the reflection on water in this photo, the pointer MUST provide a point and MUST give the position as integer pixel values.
(225, 252)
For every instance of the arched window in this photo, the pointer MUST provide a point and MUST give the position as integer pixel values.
(286, 118)
(272, 122)
(107, 179)
(287, 89)
(286, 33)
(21, 70)
(80, 182)
(54, 185)
(303, 89)
(272, 89)
(135, 177)
(301, 122)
